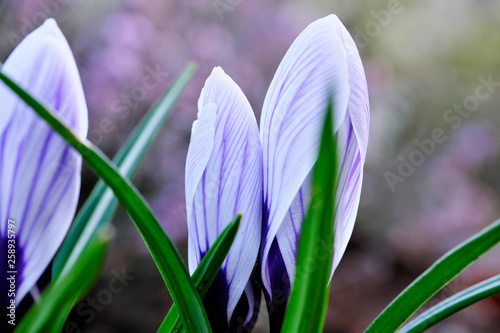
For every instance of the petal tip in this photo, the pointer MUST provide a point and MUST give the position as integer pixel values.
(50, 23)
(49, 29)
(218, 76)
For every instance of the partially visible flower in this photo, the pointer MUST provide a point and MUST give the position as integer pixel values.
(224, 178)
(323, 60)
(39, 171)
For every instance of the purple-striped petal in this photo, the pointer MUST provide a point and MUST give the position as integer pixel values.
(323, 60)
(348, 189)
(224, 178)
(39, 171)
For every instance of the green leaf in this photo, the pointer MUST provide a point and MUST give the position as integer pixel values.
(308, 299)
(101, 206)
(49, 314)
(452, 305)
(434, 279)
(163, 251)
(205, 273)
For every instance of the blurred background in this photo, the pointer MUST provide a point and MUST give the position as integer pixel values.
(431, 176)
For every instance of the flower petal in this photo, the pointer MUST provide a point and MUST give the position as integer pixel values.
(289, 232)
(39, 171)
(348, 189)
(314, 67)
(358, 106)
(322, 61)
(224, 178)
(352, 139)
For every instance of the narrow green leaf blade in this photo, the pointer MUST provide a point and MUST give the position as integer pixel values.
(50, 313)
(434, 279)
(163, 251)
(452, 305)
(308, 300)
(101, 205)
(205, 273)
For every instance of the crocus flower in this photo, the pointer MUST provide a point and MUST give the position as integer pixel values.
(322, 61)
(39, 171)
(224, 178)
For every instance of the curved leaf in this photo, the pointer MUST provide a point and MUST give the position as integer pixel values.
(48, 315)
(308, 299)
(205, 273)
(452, 305)
(101, 205)
(163, 251)
(434, 279)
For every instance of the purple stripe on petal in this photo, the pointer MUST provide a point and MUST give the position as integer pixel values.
(39, 173)
(292, 115)
(348, 190)
(322, 61)
(224, 178)
(36, 176)
(289, 233)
